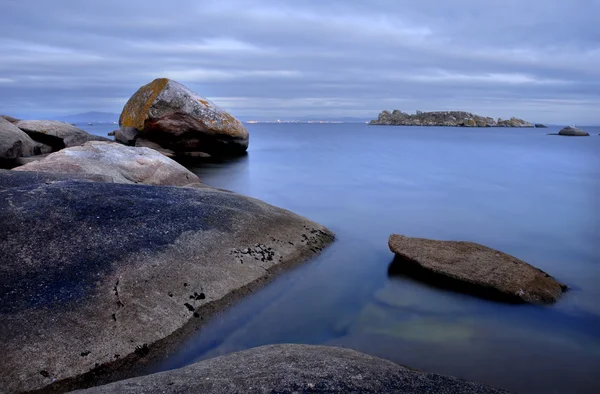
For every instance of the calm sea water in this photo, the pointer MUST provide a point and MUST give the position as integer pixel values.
(520, 191)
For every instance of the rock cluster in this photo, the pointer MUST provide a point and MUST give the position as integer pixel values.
(179, 121)
(28, 138)
(444, 118)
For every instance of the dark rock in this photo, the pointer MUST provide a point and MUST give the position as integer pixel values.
(169, 114)
(296, 369)
(474, 268)
(444, 118)
(57, 134)
(144, 143)
(121, 164)
(112, 133)
(540, 126)
(572, 131)
(85, 267)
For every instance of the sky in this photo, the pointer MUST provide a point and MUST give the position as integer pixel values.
(534, 59)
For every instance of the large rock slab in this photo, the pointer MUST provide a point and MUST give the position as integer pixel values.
(295, 369)
(14, 143)
(573, 131)
(57, 134)
(176, 118)
(11, 119)
(94, 275)
(119, 163)
(474, 268)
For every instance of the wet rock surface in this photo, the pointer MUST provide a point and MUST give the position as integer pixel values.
(177, 119)
(444, 118)
(94, 275)
(296, 369)
(119, 163)
(473, 268)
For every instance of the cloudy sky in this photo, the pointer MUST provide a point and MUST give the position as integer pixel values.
(536, 59)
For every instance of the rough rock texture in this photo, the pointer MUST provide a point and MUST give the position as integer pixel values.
(14, 143)
(470, 267)
(172, 116)
(10, 118)
(144, 143)
(444, 118)
(121, 164)
(93, 274)
(57, 134)
(573, 131)
(296, 369)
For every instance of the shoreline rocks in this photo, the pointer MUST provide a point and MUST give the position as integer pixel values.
(473, 268)
(96, 275)
(177, 119)
(444, 118)
(14, 143)
(295, 369)
(117, 163)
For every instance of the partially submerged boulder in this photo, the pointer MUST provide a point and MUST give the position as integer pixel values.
(14, 143)
(57, 134)
(540, 126)
(94, 275)
(172, 116)
(474, 268)
(295, 369)
(573, 131)
(121, 164)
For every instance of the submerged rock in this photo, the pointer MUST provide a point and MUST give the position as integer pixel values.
(444, 118)
(573, 131)
(172, 116)
(14, 143)
(296, 369)
(474, 268)
(94, 274)
(116, 162)
(57, 134)
(540, 126)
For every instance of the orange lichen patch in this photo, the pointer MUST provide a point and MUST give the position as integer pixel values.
(136, 110)
(204, 102)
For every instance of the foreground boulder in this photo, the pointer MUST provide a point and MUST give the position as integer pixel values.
(93, 274)
(474, 268)
(172, 116)
(573, 131)
(14, 143)
(117, 163)
(295, 369)
(57, 134)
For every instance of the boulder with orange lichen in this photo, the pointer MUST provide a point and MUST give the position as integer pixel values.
(168, 114)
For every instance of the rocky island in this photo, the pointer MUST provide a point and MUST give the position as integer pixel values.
(444, 118)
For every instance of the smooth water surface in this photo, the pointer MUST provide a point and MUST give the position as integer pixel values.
(517, 190)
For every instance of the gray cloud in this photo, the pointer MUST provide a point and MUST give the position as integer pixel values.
(535, 59)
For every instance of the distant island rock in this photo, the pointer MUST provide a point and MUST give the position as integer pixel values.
(444, 118)
(540, 126)
(572, 131)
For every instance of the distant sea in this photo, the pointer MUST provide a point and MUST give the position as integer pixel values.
(534, 196)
